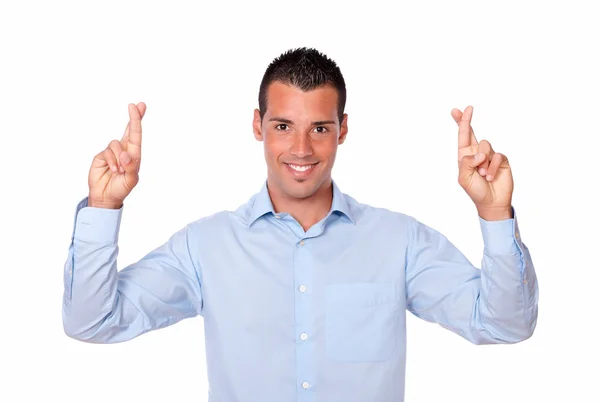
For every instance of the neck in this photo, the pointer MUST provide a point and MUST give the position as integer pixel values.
(307, 211)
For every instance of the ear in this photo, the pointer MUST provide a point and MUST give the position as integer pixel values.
(343, 129)
(257, 125)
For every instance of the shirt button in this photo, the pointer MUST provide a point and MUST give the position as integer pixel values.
(302, 288)
(517, 235)
(277, 216)
(304, 337)
(305, 385)
(302, 242)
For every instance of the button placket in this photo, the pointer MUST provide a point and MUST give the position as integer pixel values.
(305, 363)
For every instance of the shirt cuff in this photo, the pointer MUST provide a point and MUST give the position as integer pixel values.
(94, 224)
(501, 237)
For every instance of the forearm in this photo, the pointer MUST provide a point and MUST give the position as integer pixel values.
(91, 296)
(508, 293)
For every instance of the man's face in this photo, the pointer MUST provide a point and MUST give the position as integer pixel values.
(301, 132)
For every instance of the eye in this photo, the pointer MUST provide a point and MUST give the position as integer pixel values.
(278, 127)
(321, 129)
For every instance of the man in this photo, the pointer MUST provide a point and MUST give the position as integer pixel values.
(303, 290)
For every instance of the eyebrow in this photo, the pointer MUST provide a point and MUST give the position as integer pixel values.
(314, 123)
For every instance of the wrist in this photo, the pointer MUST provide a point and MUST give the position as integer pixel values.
(495, 213)
(105, 205)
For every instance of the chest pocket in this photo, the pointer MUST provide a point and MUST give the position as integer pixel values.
(361, 321)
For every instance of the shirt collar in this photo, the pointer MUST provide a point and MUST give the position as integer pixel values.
(262, 204)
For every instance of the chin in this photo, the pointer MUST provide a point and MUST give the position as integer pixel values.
(300, 188)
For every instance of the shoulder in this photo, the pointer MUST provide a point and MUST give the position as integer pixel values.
(224, 219)
(379, 216)
(402, 227)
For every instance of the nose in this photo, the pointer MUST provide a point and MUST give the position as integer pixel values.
(301, 146)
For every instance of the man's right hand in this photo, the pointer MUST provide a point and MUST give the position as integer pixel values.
(115, 170)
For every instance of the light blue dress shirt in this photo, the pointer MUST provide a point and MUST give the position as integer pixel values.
(289, 315)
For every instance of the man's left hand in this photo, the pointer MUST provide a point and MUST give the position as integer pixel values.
(484, 174)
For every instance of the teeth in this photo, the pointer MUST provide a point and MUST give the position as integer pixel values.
(300, 168)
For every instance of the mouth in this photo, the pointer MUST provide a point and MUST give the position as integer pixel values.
(301, 170)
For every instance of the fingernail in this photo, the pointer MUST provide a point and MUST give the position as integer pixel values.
(489, 177)
(479, 156)
(126, 159)
(482, 171)
(113, 168)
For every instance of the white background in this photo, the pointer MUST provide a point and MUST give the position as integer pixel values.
(69, 69)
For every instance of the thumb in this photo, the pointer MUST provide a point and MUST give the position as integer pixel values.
(470, 162)
(127, 162)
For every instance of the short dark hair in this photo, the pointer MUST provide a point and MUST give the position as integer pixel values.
(307, 69)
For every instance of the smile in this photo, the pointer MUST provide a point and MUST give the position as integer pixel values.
(301, 168)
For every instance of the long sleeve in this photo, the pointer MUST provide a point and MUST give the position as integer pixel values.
(104, 305)
(494, 304)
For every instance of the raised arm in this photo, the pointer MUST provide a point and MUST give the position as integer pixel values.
(100, 303)
(497, 304)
